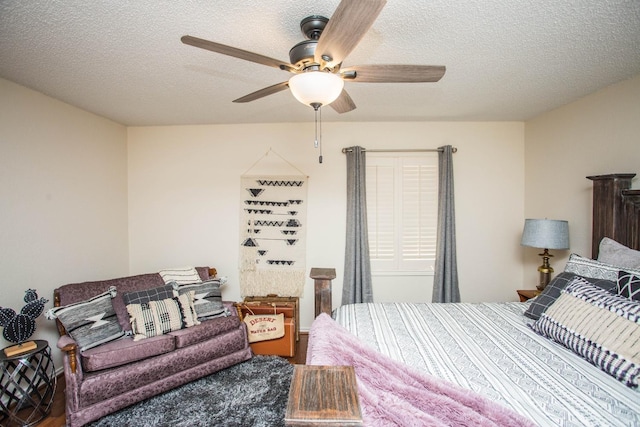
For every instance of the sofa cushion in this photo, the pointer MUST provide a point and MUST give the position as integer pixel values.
(155, 318)
(204, 331)
(91, 322)
(99, 386)
(125, 351)
(207, 298)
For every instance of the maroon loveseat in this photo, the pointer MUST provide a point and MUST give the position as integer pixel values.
(111, 376)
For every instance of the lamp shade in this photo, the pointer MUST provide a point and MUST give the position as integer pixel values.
(545, 234)
(316, 87)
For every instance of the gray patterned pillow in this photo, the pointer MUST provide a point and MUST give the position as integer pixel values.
(146, 295)
(552, 291)
(207, 298)
(598, 326)
(91, 322)
(587, 267)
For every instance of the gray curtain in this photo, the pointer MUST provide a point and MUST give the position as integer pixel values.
(445, 282)
(356, 286)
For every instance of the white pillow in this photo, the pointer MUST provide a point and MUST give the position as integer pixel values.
(614, 253)
(181, 276)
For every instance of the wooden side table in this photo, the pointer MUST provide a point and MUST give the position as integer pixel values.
(527, 294)
(323, 396)
(27, 385)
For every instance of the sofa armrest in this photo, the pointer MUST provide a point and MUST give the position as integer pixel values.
(69, 346)
(231, 308)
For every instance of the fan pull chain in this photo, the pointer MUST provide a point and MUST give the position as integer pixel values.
(320, 145)
(318, 140)
(315, 143)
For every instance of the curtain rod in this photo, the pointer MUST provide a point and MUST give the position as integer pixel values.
(401, 150)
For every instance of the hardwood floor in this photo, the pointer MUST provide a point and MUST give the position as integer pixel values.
(57, 417)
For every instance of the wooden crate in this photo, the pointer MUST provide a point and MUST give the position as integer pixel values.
(275, 298)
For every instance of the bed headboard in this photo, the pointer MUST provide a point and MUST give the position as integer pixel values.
(616, 211)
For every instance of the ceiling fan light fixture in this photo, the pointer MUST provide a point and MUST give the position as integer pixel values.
(316, 87)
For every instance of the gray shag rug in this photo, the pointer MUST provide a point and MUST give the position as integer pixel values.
(250, 394)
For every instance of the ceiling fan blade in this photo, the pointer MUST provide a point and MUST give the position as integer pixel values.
(344, 103)
(391, 73)
(236, 53)
(346, 27)
(263, 92)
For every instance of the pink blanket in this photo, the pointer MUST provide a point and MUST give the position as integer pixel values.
(391, 394)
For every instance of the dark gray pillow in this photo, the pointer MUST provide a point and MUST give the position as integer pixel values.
(552, 292)
(90, 323)
(146, 295)
(207, 299)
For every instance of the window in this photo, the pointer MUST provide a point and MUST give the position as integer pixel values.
(402, 210)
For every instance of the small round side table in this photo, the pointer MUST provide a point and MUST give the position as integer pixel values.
(27, 385)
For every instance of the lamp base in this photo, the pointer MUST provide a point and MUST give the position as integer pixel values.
(545, 270)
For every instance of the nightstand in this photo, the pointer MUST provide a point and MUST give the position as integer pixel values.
(527, 294)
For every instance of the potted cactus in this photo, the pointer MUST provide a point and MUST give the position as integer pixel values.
(18, 327)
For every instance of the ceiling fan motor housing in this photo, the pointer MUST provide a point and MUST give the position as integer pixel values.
(302, 54)
(312, 26)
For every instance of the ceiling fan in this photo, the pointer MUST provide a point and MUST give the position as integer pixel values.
(317, 61)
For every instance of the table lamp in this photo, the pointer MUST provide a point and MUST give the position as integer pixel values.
(545, 234)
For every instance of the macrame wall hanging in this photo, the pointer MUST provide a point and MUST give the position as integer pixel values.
(273, 216)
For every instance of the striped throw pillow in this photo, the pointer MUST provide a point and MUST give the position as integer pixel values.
(181, 276)
(598, 326)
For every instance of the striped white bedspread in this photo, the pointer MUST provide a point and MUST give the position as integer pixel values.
(489, 349)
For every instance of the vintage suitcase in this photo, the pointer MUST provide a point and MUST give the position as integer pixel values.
(261, 307)
(274, 298)
(285, 346)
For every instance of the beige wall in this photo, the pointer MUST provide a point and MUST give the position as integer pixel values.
(83, 198)
(63, 198)
(598, 134)
(184, 195)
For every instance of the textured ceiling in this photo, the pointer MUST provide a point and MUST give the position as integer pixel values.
(506, 59)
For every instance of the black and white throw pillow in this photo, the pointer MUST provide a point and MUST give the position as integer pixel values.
(628, 285)
(207, 298)
(91, 322)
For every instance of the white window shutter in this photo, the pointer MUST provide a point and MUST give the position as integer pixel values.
(402, 211)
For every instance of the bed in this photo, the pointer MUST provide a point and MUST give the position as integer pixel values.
(488, 354)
